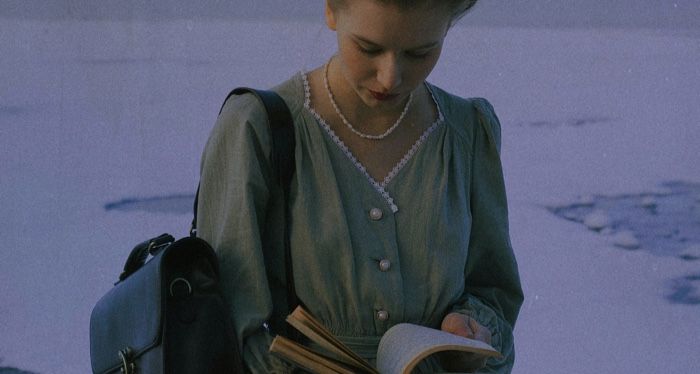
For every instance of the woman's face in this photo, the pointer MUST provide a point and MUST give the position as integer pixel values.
(385, 52)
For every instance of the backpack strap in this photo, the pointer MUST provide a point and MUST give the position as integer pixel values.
(281, 124)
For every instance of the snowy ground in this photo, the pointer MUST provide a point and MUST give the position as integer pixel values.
(94, 112)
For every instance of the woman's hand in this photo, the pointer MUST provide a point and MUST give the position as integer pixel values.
(463, 325)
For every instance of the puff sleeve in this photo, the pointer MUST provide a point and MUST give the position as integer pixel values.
(236, 206)
(492, 293)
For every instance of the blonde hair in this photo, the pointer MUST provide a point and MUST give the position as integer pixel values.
(458, 7)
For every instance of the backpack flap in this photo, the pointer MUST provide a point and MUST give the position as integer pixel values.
(127, 322)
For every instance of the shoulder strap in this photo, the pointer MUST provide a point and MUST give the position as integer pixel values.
(281, 125)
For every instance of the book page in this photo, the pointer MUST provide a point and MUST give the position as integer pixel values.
(306, 358)
(405, 345)
(314, 330)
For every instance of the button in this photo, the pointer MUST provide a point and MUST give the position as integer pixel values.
(375, 214)
(384, 265)
(382, 315)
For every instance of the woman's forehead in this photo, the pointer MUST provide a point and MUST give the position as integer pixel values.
(381, 24)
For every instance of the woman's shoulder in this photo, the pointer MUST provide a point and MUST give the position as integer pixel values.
(247, 106)
(467, 116)
(246, 111)
(293, 92)
(454, 106)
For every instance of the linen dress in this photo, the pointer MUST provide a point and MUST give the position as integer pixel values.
(430, 239)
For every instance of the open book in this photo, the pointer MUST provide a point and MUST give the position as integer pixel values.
(401, 348)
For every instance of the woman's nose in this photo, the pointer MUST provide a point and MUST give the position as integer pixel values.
(389, 73)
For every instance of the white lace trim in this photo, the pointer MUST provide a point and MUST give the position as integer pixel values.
(380, 187)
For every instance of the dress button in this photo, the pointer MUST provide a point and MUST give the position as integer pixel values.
(384, 265)
(382, 315)
(375, 214)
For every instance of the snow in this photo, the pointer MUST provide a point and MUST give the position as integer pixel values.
(625, 239)
(596, 220)
(692, 252)
(94, 111)
(648, 202)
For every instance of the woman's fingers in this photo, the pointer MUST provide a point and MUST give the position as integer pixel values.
(458, 324)
(480, 332)
(463, 325)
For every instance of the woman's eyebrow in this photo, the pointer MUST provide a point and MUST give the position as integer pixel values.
(373, 44)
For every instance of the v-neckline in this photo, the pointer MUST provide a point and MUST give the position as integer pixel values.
(379, 186)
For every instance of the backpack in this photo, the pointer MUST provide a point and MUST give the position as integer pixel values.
(167, 314)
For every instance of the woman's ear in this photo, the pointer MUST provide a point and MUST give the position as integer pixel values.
(330, 16)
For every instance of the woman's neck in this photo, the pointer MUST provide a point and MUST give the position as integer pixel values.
(353, 107)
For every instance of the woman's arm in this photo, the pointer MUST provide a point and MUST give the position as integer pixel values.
(234, 209)
(493, 294)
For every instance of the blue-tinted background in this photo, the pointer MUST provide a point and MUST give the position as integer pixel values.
(105, 107)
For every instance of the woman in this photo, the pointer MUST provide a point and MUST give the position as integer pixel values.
(398, 207)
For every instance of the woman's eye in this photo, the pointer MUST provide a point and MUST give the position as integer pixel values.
(370, 51)
(417, 55)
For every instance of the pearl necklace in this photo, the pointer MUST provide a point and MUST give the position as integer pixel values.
(347, 123)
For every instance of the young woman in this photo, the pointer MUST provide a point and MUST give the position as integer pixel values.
(398, 206)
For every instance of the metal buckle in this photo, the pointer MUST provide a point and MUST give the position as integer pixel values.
(153, 246)
(128, 366)
(187, 283)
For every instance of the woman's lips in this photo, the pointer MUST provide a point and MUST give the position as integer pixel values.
(381, 96)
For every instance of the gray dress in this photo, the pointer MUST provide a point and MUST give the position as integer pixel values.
(430, 239)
